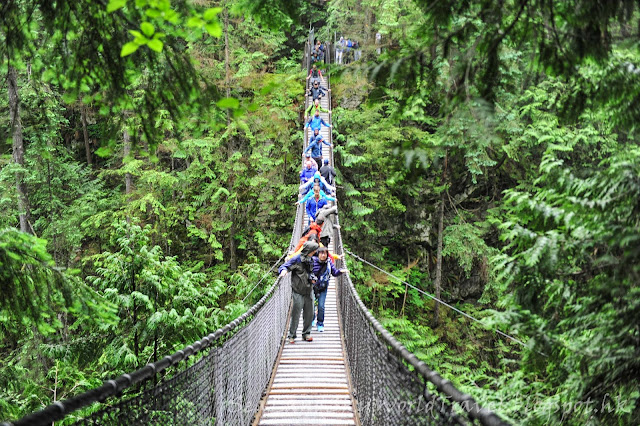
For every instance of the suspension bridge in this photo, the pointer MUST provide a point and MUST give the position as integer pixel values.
(354, 373)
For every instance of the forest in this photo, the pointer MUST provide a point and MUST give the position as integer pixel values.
(486, 153)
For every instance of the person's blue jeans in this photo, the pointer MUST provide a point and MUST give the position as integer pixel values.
(320, 297)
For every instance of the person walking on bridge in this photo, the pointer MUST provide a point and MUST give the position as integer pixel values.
(316, 122)
(307, 174)
(301, 285)
(321, 268)
(315, 200)
(307, 157)
(316, 91)
(315, 75)
(315, 146)
(311, 109)
(327, 172)
(319, 180)
(324, 218)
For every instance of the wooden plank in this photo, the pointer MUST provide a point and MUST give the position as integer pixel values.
(297, 422)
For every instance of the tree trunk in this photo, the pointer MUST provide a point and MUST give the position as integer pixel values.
(52, 214)
(87, 148)
(18, 148)
(438, 282)
(226, 55)
(227, 82)
(127, 150)
(233, 263)
(136, 338)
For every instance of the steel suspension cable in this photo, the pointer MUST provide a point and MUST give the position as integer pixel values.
(520, 342)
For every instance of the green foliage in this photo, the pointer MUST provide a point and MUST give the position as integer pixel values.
(38, 308)
(526, 131)
(31, 297)
(85, 48)
(160, 303)
(568, 278)
(463, 243)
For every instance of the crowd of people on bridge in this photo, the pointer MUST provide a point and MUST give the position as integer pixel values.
(310, 263)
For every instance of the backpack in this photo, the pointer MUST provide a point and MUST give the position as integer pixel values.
(349, 44)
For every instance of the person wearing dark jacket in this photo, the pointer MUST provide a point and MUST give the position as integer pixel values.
(316, 91)
(321, 267)
(327, 172)
(301, 285)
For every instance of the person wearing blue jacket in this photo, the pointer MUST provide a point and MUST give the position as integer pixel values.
(315, 146)
(322, 266)
(317, 178)
(316, 122)
(308, 173)
(315, 201)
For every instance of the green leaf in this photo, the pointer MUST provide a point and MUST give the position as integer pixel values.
(155, 45)
(147, 28)
(214, 29)
(228, 103)
(115, 5)
(103, 151)
(128, 49)
(172, 16)
(152, 13)
(194, 21)
(210, 14)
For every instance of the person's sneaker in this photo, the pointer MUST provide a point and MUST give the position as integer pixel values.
(321, 328)
(313, 324)
(308, 338)
(292, 340)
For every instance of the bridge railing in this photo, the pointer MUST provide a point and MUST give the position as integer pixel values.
(390, 385)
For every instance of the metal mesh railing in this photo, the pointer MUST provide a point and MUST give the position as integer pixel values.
(391, 386)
